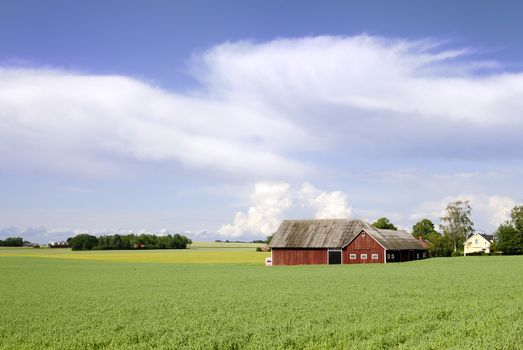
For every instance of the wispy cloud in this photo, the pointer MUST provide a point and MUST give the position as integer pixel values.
(262, 106)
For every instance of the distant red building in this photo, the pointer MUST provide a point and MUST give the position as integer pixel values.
(341, 241)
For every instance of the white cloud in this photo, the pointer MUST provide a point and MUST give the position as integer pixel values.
(262, 107)
(322, 108)
(271, 200)
(327, 205)
(66, 121)
(366, 72)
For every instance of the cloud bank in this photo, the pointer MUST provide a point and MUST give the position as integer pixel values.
(271, 200)
(37, 234)
(262, 108)
(288, 110)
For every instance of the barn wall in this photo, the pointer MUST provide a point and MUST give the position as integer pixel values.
(363, 244)
(284, 256)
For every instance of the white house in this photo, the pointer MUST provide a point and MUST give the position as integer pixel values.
(478, 243)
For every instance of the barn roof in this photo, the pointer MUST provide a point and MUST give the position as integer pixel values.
(336, 233)
(319, 233)
(395, 240)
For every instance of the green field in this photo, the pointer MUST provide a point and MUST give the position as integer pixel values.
(95, 300)
(199, 253)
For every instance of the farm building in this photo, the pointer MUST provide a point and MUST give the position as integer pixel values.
(341, 241)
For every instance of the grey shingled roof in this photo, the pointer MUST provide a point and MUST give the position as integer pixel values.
(396, 240)
(336, 233)
(320, 233)
(489, 238)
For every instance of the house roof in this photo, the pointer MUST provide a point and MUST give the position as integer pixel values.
(336, 233)
(489, 238)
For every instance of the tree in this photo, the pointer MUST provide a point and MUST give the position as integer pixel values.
(516, 217)
(440, 245)
(12, 242)
(457, 224)
(384, 223)
(509, 236)
(83, 242)
(423, 228)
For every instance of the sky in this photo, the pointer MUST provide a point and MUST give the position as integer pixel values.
(220, 119)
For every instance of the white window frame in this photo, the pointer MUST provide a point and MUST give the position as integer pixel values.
(353, 256)
(363, 256)
(375, 256)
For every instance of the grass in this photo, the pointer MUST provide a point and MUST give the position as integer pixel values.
(71, 303)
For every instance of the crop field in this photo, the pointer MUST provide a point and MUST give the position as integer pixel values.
(199, 252)
(57, 299)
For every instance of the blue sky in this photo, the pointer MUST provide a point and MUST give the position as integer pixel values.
(222, 118)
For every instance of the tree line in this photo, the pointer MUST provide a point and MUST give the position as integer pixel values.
(12, 242)
(122, 242)
(456, 227)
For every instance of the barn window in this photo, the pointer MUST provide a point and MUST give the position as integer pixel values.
(352, 256)
(417, 256)
(388, 256)
(424, 255)
(476, 241)
(364, 256)
(375, 256)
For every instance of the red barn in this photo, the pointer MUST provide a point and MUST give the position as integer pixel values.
(341, 241)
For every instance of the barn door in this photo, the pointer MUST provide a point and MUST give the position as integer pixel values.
(334, 257)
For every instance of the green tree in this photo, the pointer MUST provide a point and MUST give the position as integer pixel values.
(457, 224)
(440, 245)
(509, 236)
(83, 241)
(384, 223)
(516, 217)
(423, 228)
(13, 242)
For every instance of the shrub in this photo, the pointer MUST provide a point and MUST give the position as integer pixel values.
(477, 254)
